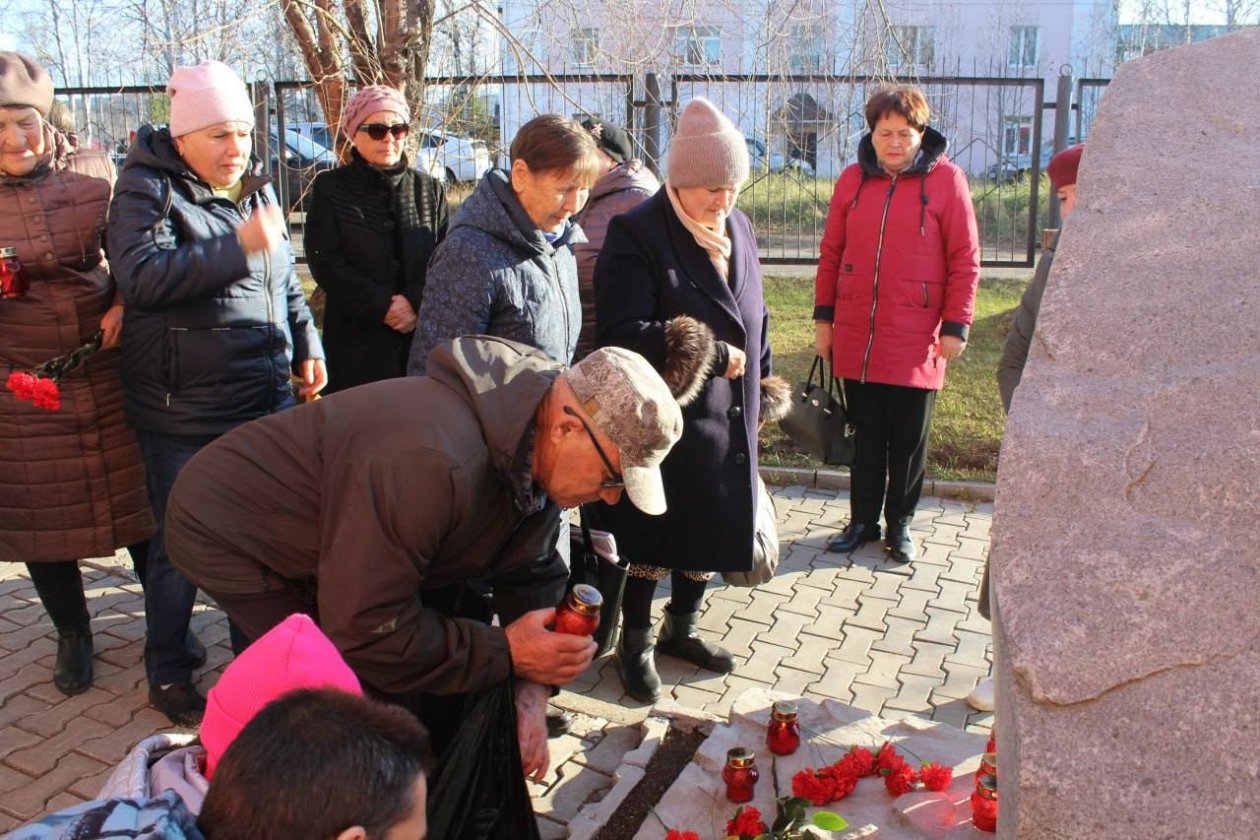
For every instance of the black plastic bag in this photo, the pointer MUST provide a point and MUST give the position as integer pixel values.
(478, 791)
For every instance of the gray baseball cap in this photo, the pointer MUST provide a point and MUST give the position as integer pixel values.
(628, 400)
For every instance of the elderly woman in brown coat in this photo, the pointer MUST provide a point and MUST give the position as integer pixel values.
(74, 486)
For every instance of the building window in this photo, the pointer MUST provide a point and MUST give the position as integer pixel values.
(912, 46)
(585, 46)
(1023, 46)
(1017, 136)
(806, 49)
(698, 46)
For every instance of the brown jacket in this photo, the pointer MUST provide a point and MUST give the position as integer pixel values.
(378, 496)
(73, 484)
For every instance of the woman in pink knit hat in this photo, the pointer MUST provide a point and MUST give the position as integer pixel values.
(688, 252)
(216, 325)
(371, 227)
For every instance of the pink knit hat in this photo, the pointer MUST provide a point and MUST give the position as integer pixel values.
(368, 101)
(293, 654)
(24, 82)
(206, 95)
(707, 150)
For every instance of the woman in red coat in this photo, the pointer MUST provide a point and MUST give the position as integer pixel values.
(893, 300)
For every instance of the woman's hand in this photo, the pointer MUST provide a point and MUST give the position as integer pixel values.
(822, 339)
(314, 377)
(400, 316)
(111, 326)
(738, 361)
(950, 347)
(262, 231)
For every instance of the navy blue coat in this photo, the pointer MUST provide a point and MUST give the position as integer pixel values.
(649, 271)
(210, 335)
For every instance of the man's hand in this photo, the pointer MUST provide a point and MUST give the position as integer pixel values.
(531, 728)
(400, 316)
(541, 656)
(738, 360)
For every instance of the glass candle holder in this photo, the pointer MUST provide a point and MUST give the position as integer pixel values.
(740, 774)
(783, 735)
(578, 613)
(12, 282)
(984, 804)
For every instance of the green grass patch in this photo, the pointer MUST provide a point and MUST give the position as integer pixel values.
(967, 428)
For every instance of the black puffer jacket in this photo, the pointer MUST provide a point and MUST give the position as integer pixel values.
(210, 335)
(369, 234)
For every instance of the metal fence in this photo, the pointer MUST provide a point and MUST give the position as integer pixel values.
(802, 131)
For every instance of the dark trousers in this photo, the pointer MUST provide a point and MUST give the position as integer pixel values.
(60, 588)
(168, 596)
(892, 434)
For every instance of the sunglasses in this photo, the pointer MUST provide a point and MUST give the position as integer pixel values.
(377, 131)
(617, 482)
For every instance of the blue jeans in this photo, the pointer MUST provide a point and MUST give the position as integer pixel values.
(168, 596)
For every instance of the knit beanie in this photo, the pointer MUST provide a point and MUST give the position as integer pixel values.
(205, 95)
(294, 654)
(24, 83)
(707, 150)
(368, 101)
(612, 139)
(1063, 166)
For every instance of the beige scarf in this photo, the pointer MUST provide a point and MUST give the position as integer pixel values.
(716, 244)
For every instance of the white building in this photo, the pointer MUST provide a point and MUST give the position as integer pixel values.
(806, 66)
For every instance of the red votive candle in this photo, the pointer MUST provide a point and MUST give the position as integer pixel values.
(783, 735)
(740, 774)
(578, 613)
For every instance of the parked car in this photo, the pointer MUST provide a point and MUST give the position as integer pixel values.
(303, 159)
(459, 158)
(762, 160)
(427, 154)
(1015, 167)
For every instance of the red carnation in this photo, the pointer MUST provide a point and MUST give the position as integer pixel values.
(888, 759)
(860, 760)
(675, 834)
(44, 393)
(935, 777)
(840, 779)
(747, 823)
(807, 784)
(900, 780)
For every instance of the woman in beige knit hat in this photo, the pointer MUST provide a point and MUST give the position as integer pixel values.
(74, 485)
(688, 251)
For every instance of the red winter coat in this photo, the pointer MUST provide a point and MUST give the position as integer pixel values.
(899, 265)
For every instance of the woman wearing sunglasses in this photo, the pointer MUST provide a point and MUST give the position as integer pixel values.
(370, 229)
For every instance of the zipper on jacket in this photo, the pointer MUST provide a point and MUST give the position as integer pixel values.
(879, 252)
(271, 336)
(564, 301)
(926, 301)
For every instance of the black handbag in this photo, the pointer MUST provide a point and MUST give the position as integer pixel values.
(819, 422)
(595, 562)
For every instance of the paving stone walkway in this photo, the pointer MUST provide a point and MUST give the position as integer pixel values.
(894, 640)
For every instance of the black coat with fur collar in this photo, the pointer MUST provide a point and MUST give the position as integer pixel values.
(650, 271)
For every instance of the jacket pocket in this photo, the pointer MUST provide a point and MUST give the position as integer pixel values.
(232, 362)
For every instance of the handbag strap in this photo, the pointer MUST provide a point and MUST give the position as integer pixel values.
(819, 370)
(835, 390)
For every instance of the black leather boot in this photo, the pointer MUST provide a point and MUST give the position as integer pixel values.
(901, 549)
(73, 672)
(636, 663)
(853, 537)
(678, 637)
